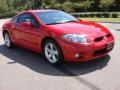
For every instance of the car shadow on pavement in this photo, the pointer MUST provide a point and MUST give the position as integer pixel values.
(37, 63)
(118, 30)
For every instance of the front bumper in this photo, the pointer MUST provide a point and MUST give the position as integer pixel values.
(87, 51)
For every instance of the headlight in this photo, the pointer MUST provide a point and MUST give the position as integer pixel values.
(75, 38)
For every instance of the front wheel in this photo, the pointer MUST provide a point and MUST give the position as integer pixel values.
(52, 52)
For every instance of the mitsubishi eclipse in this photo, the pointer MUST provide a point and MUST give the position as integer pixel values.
(58, 36)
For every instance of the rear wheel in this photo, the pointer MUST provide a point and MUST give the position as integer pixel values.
(7, 40)
(52, 52)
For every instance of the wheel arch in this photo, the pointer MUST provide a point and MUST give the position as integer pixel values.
(5, 31)
(47, 38)
(50, 38)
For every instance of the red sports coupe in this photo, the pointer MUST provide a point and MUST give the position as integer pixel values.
(58, 36)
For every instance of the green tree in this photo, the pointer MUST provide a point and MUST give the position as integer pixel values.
(86, 4)
(117, 5)
(3, 7)
(106, 4)
(51, 3)
(68, 6)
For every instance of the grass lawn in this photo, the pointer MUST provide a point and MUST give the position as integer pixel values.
(102, 19)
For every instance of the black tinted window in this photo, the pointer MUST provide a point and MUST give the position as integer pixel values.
(15, 19)
(28, 17)
(24, 17)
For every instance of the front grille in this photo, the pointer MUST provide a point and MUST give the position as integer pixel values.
(102, 37)
(100, 52)
(98, 39)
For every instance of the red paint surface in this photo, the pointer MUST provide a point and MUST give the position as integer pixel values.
(31, 38)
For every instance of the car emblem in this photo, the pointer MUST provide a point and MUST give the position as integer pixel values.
(105, 38)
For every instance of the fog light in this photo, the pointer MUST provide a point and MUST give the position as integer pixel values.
(78, 55)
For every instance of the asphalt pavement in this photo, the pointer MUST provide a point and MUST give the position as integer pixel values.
(21, 69)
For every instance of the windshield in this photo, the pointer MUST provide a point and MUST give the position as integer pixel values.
(55, 17)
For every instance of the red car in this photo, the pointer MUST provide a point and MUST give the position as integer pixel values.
(58, 36)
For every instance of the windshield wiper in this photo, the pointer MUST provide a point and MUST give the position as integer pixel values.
(53, 23)
(70, 21)
(61, 22)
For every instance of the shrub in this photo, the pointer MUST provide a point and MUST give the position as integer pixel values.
(76, 14)
(98, 15)
(92, 15)
(81, 15)
(114, 15)
(106, 15)
(85, 15)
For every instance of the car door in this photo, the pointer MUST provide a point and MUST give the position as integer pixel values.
(28, 36)
(16, 29)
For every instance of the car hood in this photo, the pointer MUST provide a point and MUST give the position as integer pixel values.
(82, 28)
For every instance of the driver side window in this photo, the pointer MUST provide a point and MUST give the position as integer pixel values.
(28, 17)
(23, 17)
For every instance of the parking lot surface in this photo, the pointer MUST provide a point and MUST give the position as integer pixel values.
(21, 69)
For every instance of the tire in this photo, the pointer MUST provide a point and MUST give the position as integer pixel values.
(52, 52)
(7, 40)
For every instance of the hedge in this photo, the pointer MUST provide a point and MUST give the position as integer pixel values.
(114, 15)
(97, 14)
(91, 15)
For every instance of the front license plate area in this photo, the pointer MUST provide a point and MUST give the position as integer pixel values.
(110, 45)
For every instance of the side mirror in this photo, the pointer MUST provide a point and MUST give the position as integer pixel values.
(26, 24)
(34, 24)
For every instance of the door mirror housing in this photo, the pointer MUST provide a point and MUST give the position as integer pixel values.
(34, 24)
